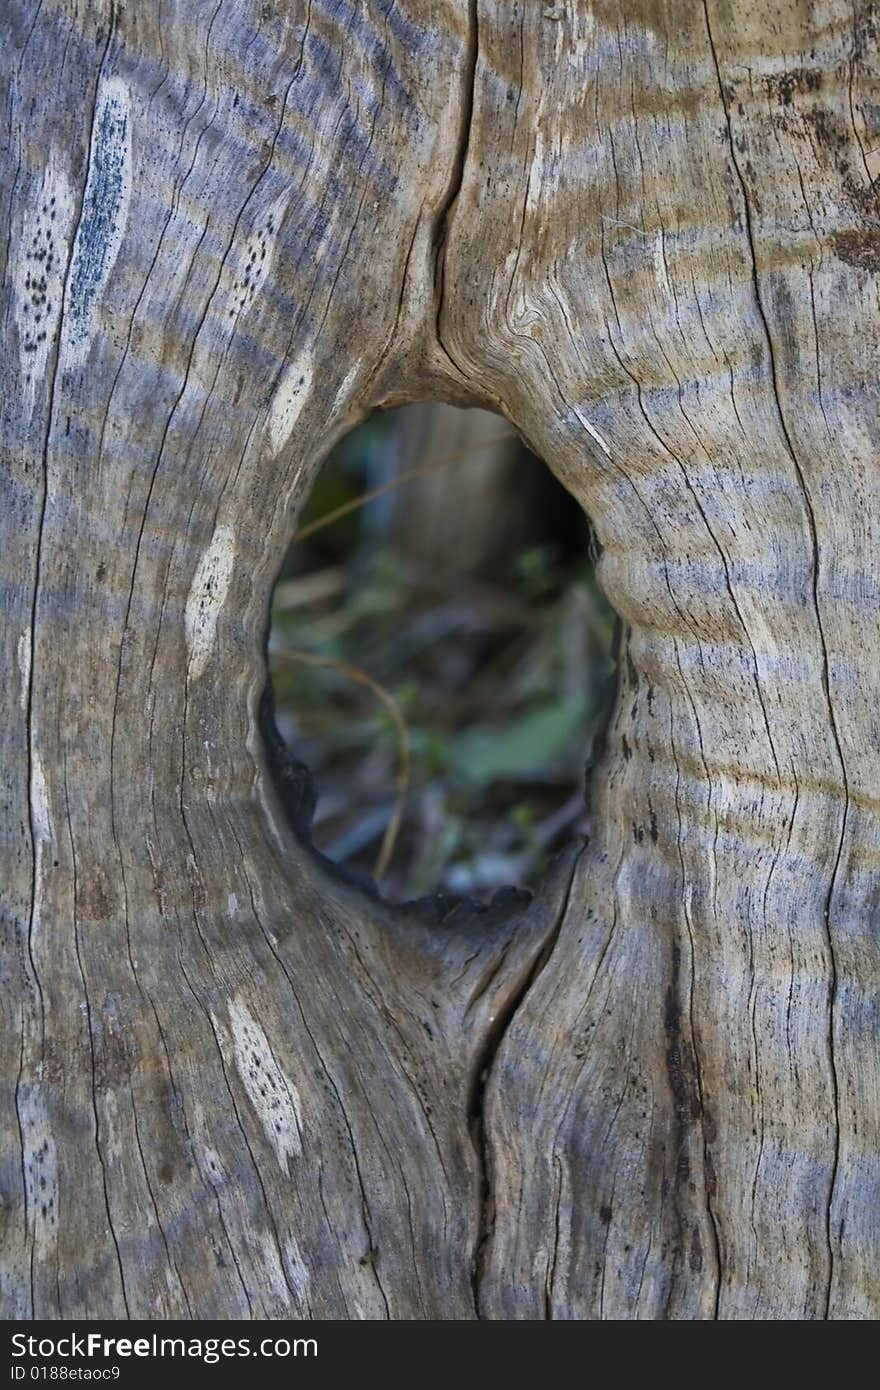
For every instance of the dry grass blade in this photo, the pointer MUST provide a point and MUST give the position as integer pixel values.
(354, 673)
(406, 477)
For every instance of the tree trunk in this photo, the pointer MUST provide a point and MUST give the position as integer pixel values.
(648, 235)
(470, 516)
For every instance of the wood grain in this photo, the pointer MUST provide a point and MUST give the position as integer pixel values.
(233, 1085)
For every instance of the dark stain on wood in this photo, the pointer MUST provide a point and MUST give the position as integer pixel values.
(859, 247)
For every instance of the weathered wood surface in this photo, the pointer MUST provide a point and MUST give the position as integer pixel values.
(648, 235)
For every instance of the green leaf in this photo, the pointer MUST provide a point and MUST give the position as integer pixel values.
(521, 748)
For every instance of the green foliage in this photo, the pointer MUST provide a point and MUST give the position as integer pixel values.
(499, 686)
(520, 748)
(537, 571)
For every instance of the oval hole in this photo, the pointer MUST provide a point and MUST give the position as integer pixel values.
(440, 657)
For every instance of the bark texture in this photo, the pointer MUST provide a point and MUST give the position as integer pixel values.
(648, 235)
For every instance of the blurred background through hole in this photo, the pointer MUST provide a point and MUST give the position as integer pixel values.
(440, 655)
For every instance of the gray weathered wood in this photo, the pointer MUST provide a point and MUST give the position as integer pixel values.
(648, 235)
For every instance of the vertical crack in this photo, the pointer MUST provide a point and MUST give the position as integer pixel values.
(482, 1071)
(444, 214)
(826, 683)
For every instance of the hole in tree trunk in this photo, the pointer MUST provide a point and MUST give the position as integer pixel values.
(440, 658)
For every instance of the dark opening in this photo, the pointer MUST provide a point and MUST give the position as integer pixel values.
(440, 657)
